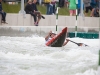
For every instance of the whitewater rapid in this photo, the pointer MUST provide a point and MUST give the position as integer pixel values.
(30, 56)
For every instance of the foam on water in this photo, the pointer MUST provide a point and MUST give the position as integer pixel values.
(30, 56)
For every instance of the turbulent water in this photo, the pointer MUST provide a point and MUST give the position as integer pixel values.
(30, 56)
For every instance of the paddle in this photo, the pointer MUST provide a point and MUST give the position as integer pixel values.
(79, 44)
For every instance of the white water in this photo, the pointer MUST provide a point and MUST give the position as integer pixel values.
(30, 56)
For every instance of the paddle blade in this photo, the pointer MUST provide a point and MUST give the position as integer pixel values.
(81, 44)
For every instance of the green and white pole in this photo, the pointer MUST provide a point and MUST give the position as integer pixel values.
(76, 20)
(99, 63)
(99, 54)
(99, 45)
(56, 15)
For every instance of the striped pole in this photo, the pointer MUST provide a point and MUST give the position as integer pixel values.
(99, 53)
(99, 44)
(99, 63)
(76, 20)
(56, 15)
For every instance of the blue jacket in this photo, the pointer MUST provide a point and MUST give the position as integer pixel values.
(93, 3)
(0, 6)
(79, 4)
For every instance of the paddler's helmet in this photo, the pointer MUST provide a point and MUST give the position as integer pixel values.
(53, 33)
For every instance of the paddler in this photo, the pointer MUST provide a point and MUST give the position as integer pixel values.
(51, 35)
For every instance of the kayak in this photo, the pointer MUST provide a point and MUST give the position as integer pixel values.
(58, 40)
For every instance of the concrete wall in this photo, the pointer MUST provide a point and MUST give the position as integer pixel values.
(69, 21)
(15, 21)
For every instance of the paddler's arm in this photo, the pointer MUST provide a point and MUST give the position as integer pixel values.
(47, 37)
(67, 40)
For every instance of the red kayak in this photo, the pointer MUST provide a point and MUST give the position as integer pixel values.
(58, 40)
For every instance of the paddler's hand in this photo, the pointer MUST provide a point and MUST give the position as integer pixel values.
(67, 40)
(50, 33)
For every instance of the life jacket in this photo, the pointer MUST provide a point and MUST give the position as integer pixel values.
(48, 40)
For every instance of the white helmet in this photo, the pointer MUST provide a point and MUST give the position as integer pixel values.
(53, 32)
